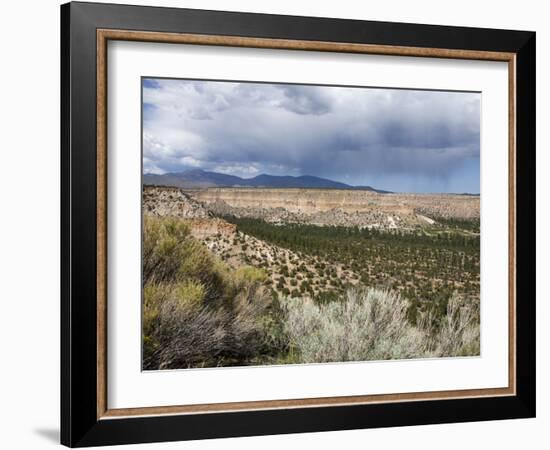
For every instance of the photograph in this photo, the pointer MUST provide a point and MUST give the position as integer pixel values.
(297, 224)
(278, 222)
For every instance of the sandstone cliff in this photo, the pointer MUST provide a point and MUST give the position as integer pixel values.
(337, 207)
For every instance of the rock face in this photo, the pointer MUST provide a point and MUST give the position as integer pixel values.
(310, 206)
(337, 206)
(170, 201)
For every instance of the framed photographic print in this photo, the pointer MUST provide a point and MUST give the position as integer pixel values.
(277, 224)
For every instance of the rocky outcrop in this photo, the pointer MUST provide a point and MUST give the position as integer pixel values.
(169, 201)
(310, 206)
(337, 207)
(302, 201)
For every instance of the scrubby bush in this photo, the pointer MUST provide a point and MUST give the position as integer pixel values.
(185, 336)
(370, 324)
(164, 247)
(459, 330)
(247, 274)
(196, 311)
(275, 340)
(366, 325)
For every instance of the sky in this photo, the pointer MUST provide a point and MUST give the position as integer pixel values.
(394, 139)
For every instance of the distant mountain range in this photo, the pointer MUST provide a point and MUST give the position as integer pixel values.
(197, 178)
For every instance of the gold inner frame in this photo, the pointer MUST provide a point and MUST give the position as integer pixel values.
(104, 35)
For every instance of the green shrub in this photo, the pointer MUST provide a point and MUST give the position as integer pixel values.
(163, 248)
(249, 274)
(189, 292)
(196, 310)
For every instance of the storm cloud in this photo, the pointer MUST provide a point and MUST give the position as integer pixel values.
(403, 140)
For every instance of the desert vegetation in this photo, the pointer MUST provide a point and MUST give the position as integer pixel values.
(202, 311)
(196, 312)
(370, 324)
(427, 266)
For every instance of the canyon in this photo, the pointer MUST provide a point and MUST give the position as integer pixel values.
(337, 206)
(418, 244)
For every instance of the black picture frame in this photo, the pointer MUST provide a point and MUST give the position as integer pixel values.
(80, 425)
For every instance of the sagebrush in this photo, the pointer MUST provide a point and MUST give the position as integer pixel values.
(371, 324)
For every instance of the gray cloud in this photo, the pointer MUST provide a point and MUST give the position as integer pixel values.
(310, 100)
(348, 134)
